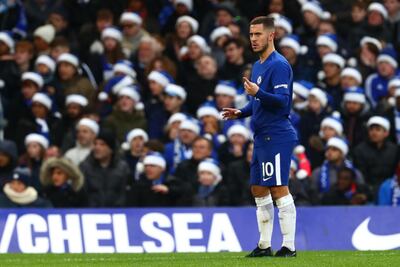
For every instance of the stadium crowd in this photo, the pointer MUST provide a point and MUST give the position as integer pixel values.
(117, 103)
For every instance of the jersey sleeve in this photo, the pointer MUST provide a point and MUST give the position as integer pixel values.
(281, 78)
(247, 110)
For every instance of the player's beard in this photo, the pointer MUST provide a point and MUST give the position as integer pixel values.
(262, 50)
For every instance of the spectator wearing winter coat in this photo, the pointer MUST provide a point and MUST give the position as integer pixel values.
(132, 32)
(17, 193)
(134, 147)
(393, 112)
(86, 131)
(389, 191)
(236, 146)
(62, 183)
(376, 157)
(8, 160)
(105, 173)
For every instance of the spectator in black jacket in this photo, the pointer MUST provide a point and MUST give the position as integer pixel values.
(236, 146)
(8, 159)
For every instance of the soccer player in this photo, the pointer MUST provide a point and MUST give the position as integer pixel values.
(274, 138)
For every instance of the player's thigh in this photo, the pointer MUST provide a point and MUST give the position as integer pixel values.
(274, 163)
(279, 191)
(259, 191)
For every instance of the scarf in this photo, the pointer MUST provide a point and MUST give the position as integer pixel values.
(107, 69)
(44, 127)
(159, 180)
(397, 124)
(324, 181)
(205, 191)
(395, 192)
(28, 196)
(181, 152)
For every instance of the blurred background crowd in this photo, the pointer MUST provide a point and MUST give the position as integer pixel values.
(117, 103)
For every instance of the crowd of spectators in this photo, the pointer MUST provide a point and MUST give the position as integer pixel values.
(117, 103)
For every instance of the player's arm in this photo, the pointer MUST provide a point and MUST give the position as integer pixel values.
(247, 110)
(234, 113)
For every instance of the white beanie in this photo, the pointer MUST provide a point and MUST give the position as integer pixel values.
(378, 120)
(42, 99)
(159, 78)
(77, 99)
(155, 159)
(176, 117)
(131, 17)
(238, 129)
(352, 72)
(334, 58)
(131, 93)
(194, 24)
(378, 7)
(8, 40)
(219, 32)
(34, 77)
(189, 125)
(111, 32)
(224, 89)
(175, 90)
(46, 32)
(200, 41)
(320, 95)
(210, 165)
(339, 144)
(187, 3)
(37, 138)
(46, 60)
(91, 124)
(208, 111)
(69, 58)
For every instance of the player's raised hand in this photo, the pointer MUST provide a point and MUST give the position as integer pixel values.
(230, 113)
(250, 87)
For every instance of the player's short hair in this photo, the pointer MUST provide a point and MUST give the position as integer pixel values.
(267, 22)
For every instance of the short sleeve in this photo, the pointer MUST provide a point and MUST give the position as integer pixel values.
(281, 78)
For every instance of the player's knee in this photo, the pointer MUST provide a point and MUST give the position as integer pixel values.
(278, 192)
(259, 191)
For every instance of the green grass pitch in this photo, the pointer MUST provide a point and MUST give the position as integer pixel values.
(304, 258)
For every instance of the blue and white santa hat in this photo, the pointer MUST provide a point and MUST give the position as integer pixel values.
(316, 8)
(334, 121)
(352, 72)
(156, 159)
(131, 17)
(190, 124)
(329, 40)
(132, 134)
(335, 59)
(68, 58)
(355, 94)
(187, 3)
(175, 90)
(389, 55)
(91, 124)
(114, 85)
(211, 165)
(219, 32)
(194, 24)
(380, 121)
(338, 143)
(42, 99)
(238, 129)
(125, 67)
(76, 99)
(395, 83)
(225, 88)
(47, 61)
(302, 88)
(131, 92)
(37, 138)
(177, 117)
(6, 38)
(208, 110)
(33, 77)
(200, 42)
(320, 95)
(111, 32)
(371, 40)
(161, 77)
(293, 41)
(378, 7)
(285, 23)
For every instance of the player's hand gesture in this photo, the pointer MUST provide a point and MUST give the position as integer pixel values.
(230, 113)
(250, 87)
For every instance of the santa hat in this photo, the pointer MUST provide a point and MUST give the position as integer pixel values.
(378, 7)
(352, 72)
(132, 135)
(338, 143)
(320, 95)
(42, 99)
(225, 88)
(47, 61)
(335, 59)
(46, 32)
(315, 7)
(68, 58)
(91, 124)
(333, 122)
(34, 77)
(175, 90)
(160, 77)
(194, 24)
(210, 165)
(190, 125)
(176, 117)
(284, 22)
(238, 129)
(355, 94)
(131, 17)
(219, 32)
(200, 41)
(293, 41)
(187, 3)
(111, 32)
(130, 92)
(371, 40)
(155, 158)
(378, 120)
(207, 111)
(302, 88)
(329, 40)
(395, 83)
(37, 138)
(77, 99)
(389, 55)
(125, 67)
(8, 40)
